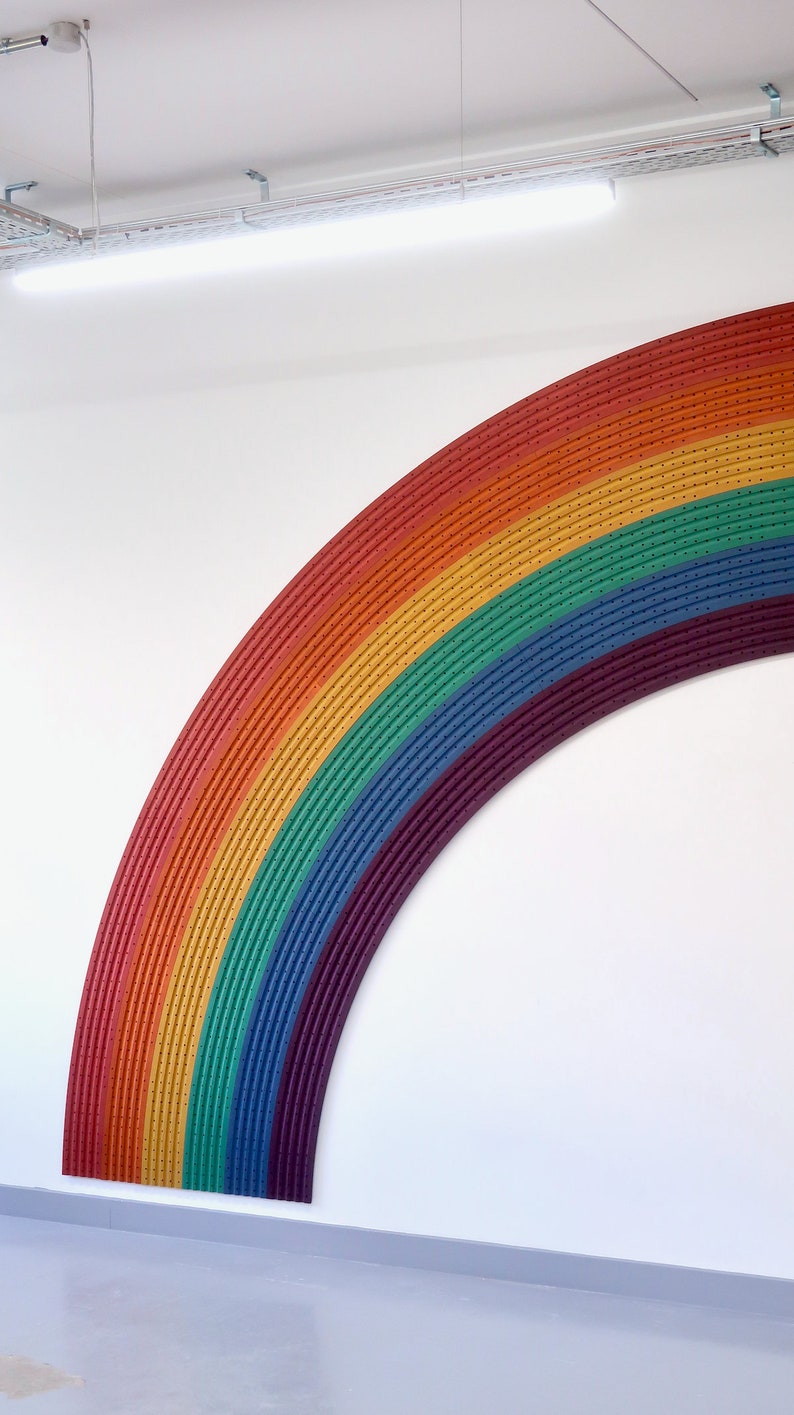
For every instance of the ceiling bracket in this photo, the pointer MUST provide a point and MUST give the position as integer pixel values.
(264, 186)
(17, 187)
(773, 94)
(760, 147)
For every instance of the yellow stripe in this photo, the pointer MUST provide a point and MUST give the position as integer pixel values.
(657, 484)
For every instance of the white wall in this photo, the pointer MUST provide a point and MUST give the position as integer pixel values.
(577, 1035)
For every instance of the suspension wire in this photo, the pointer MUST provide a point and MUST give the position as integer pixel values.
(460, 87)
(636, 45)
(91, 146)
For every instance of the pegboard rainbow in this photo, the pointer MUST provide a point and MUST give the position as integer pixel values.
(625, 529)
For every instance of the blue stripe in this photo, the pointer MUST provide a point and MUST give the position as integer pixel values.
(665, 598)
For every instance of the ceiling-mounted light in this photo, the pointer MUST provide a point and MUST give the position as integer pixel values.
(64, 36)
(330, 239)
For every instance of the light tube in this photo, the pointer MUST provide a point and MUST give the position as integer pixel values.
(331, 238)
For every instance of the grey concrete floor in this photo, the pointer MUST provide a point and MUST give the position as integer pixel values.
(162, 1326)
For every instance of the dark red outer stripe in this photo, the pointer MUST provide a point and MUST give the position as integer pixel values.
(674, 655)
(617, 385)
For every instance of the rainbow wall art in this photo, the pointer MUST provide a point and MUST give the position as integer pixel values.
(625, 529)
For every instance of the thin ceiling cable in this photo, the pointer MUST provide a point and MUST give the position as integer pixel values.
(636, 45)
(92, 154)
(460, 87)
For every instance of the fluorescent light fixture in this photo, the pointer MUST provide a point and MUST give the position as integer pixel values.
(331, 237)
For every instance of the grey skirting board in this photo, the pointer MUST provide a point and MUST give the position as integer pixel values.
(619, 1277)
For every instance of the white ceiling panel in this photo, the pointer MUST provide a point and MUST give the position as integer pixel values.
(534, 72)
(719, 48)
(188, 93)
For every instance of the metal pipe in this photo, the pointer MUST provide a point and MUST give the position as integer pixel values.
(32, 41)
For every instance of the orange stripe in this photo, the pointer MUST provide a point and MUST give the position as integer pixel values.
(641, 490)
(730, 404)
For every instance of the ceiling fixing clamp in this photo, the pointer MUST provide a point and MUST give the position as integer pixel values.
(759, 146)
(8, 191)
(773, 94)
(264, 188)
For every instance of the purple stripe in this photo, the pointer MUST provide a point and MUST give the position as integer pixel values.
(672, 655)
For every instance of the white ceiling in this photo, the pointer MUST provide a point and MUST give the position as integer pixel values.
(322, 93)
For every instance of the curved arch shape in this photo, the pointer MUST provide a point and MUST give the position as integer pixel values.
(646, 501)
(589, 694)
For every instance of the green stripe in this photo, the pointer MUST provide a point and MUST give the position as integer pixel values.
(670, 538)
